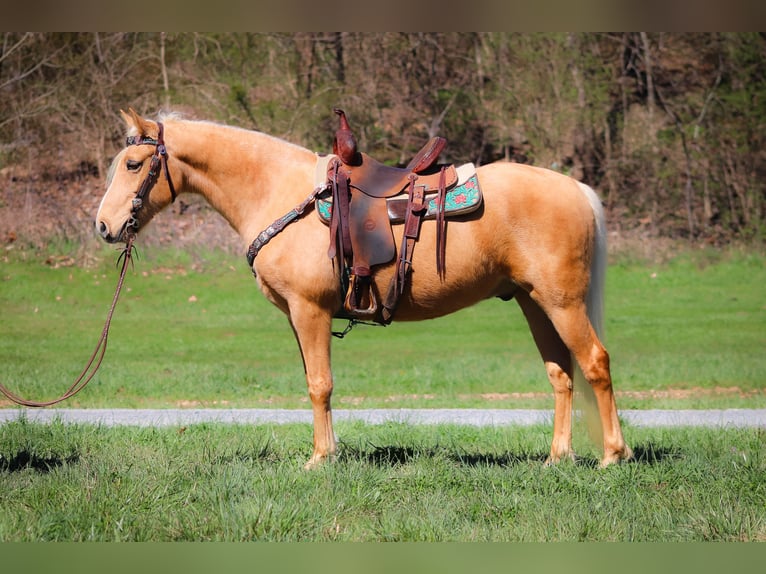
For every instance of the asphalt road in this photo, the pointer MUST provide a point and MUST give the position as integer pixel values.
(475, 417)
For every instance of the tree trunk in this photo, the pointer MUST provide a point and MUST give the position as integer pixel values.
(650, 101)
(340, 73)
(164, 68)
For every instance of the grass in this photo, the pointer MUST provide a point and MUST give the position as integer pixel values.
(696, 322)
(392, 483)
(195, 331)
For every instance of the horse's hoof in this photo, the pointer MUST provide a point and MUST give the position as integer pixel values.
(551, 460)
(318, 460)
(626, 454)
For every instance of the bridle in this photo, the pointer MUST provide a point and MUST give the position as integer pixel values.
(159, 158)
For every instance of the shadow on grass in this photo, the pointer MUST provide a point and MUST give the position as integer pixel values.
(505, 459)
(652, 454)
(24, 459)
(648, 454)
(382, 456)
(379, 456)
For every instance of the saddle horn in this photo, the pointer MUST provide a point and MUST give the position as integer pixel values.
(344, 145)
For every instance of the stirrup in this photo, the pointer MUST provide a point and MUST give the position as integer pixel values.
(355, 294)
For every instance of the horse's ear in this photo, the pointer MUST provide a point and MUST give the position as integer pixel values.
(126, 118)
(133, 120)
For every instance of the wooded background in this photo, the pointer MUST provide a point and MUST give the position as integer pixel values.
(667, 127)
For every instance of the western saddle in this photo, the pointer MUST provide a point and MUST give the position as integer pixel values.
(366, 198)
(360, 199)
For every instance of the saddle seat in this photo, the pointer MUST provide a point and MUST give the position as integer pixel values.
(376, 179)
(367, 197)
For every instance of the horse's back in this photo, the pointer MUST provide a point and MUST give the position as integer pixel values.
(532, 190)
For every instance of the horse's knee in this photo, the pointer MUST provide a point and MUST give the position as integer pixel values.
(320, 390)
(558, 377)
(320, 394)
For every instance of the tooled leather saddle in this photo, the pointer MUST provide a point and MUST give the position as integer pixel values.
(367, 197)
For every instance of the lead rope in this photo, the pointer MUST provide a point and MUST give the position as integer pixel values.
(98, 352)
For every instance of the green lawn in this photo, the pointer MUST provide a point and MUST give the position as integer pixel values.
(196, 331)
(391, 483)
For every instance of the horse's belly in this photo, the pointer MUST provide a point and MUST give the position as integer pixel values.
(428, 296)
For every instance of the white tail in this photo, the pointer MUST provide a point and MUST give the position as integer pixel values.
(595, 306)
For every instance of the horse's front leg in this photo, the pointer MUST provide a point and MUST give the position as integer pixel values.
(312, 327)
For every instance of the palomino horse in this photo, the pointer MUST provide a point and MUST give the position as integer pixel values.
(539, 238)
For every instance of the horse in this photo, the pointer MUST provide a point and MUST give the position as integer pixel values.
(539, 238)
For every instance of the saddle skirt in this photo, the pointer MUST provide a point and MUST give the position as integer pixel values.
(462, 199)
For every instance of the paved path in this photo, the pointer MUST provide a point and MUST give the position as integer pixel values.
(474, 417)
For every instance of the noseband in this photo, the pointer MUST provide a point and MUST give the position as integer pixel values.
(160, 156)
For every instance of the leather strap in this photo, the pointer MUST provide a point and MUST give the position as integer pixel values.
(340, 234)
(267, 234)
(416, 211)
(163, 152)
(412, 220)
(160, 157)
(441, 224)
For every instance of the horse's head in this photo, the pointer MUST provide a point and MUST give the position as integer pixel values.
(139, 183)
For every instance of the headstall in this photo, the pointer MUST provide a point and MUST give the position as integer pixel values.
(160, 157)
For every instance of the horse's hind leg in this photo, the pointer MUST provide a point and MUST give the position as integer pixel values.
(558, 365)
(576, 331)
(312, 327)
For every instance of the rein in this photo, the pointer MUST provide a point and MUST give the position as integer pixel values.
(98, 353)
(159, 159)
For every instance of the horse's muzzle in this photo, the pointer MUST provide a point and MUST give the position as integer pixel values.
(107, 235)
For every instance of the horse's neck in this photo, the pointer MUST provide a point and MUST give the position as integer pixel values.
(248, 177)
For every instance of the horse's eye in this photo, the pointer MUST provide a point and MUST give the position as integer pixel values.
(134, 165)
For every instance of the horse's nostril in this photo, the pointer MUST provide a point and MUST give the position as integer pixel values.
(102, 229)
